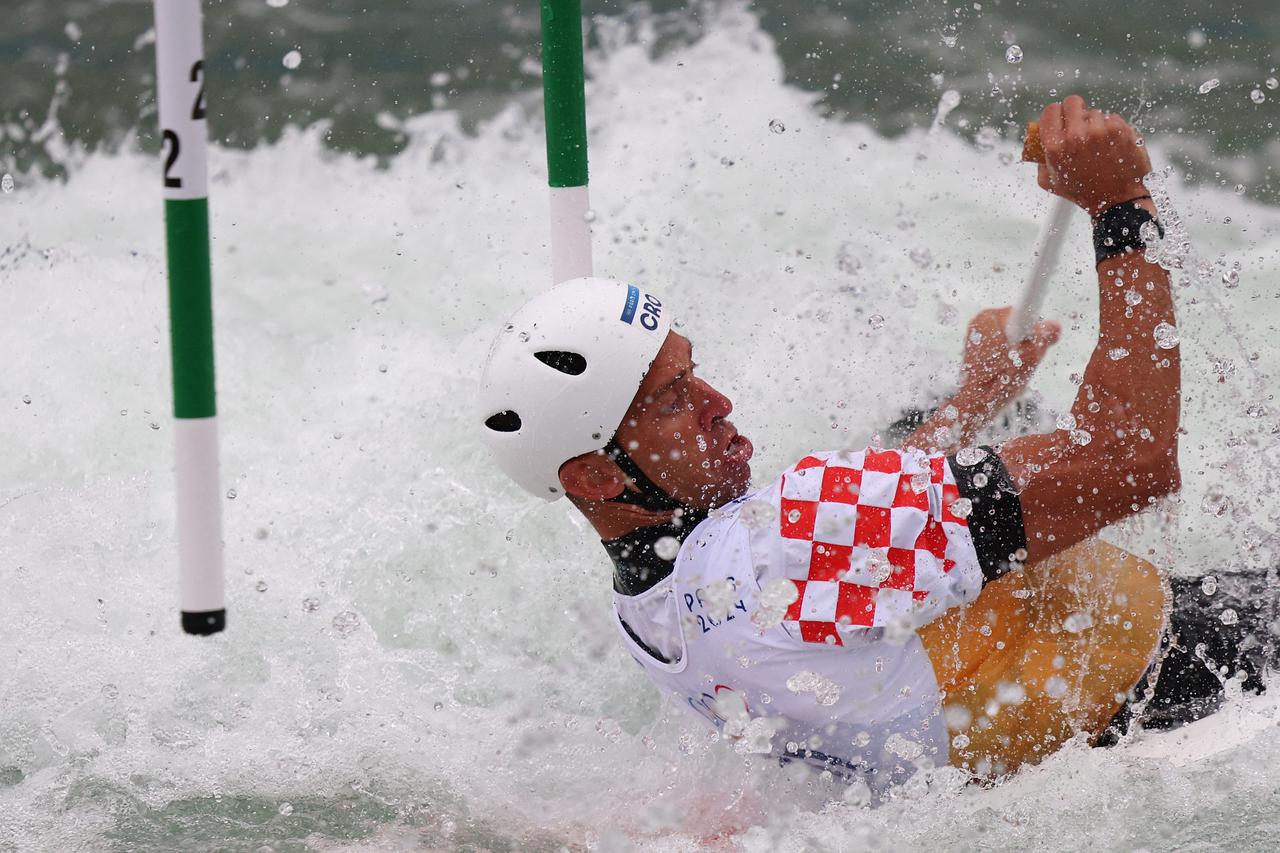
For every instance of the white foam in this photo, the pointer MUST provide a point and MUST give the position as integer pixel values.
(375, 497)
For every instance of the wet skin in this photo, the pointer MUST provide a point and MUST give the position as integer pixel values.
(677, 430)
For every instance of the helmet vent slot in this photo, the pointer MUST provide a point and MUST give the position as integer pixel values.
(566, 362)
(507, 421)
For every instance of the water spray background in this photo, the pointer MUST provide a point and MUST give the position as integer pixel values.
(419, 656)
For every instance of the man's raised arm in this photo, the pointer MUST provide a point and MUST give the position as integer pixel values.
(1122, 454)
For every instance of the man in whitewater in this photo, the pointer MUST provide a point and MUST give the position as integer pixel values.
(871, 612)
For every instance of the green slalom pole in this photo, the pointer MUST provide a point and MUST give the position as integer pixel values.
(180, 85)
(564, 103)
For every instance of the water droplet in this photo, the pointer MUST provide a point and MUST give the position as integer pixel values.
(824, 690)
(960, 741)
(285, 809)
(1209, 85)
(310, 604)
(1208, 584)
(1273, 83)
(1078, 622)
(667, 547)
(1066, 421)
(1013, 55)
(110, 691)
(589, 216)
(1255, 411)
(777, 126)
(725, 161)
(1117, 353)
(961, 507)
(775, 597)
(346, 623)
(1055, 686)
(757, 515)
(957, 717)
(292, 59)
(26, 398)
(1216, 504)
(793, 516)
(950, 99)
(155, 425)
(1166, 336)
(6, 183)
(876, 321)
(1132, 297)
(231, 494)
(1010, 693)
(260, 586)
(921, 256)
(980, 480)
(1228, 617)
(1257, 96)
(1081, 437)
(277, 4)
(878, 566)
(439, 706)
(970, 456)
(382, 368)
(1231, 277)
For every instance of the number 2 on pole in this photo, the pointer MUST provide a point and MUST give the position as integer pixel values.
(198, 112)
(197, 75)
(174, 146)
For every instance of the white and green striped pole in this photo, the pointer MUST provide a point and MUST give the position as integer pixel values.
(564, 104)
(180, 85)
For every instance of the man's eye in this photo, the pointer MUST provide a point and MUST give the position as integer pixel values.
(670, 402)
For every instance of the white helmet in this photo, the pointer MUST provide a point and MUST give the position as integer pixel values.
(562, 373)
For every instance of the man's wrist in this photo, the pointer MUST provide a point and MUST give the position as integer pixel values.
(1125, 227)
(977, 402)
(1138, 195)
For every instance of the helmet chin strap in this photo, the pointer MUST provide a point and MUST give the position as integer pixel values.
(649, 496)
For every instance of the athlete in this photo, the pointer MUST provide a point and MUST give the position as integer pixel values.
(875, 611)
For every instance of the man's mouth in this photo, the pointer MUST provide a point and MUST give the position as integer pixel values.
(738, 449)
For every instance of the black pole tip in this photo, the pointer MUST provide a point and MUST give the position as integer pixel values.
(204, 622)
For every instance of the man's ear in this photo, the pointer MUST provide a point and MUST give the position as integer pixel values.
(593, 477)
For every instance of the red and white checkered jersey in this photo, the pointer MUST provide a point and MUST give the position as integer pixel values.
(799, 603)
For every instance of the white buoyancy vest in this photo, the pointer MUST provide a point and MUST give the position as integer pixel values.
(788, 619)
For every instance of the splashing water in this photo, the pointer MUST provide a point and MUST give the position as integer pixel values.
(947, 103)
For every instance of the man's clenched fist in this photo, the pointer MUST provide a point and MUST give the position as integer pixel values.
(1093, 158)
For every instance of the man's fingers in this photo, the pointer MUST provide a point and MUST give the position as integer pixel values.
(1115, 122)
(1046, 333)
(1051, 128)
(1144, 161)
(1073, 119)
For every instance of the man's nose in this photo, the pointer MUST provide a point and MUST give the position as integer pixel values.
(716, 406)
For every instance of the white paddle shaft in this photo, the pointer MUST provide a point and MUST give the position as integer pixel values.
(1048, 246)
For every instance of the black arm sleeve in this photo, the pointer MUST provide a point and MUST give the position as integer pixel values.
(995, 522)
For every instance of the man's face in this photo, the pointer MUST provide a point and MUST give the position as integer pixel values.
(676, 432)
